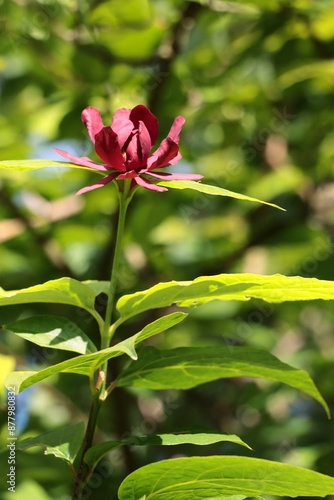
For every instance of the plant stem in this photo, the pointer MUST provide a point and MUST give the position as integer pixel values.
(83, 470)
(124, 201)
(100, 395)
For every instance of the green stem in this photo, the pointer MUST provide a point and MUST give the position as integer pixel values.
(124, 201)
(106, 334)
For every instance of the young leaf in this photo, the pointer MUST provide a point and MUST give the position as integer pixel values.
(87, 364)
(59, 291)
(187, 367)
(94, 454)
(275, 288)
(64, 443)
(213, 190)
(53, 331)
(215, 477)
(20, 165)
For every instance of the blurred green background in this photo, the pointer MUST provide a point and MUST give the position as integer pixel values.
(255, 82)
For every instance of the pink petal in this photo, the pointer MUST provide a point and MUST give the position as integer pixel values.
(176, 177)
(175, 130)
(98, 184)
(141, 113)
(93, 122)
(83, 160)
(148, 185)
(166, 152)
(107, 147)
(122, 125)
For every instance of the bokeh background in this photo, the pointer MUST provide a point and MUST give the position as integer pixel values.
(255, 82)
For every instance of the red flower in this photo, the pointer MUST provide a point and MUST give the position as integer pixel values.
(125, 146)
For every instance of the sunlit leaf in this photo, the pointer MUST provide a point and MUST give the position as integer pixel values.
(53, 331)
(187, 367)
(199, 438)
(20, 165)
(60, 291)
(214, 477)
(275, 288)
(213, 190)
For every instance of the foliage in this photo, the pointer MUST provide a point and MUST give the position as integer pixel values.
(254, 82)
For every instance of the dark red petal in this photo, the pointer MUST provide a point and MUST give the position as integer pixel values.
(173, 161)
(93, 122)
(133, 155)
(144, 142)
(176, 177)
(148, 185)
(98, 184)
(122, 125)
(141, 113)
(175, 130)
(165, 154)
(83, 160)
(128, 175)
(107, 147)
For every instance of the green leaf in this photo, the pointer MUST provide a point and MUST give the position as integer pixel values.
(187, 367)
(94, 454)
(98, 286)
(213, 190)
(54, 332)
(21, 165)
(275, 288)
(63, 443)
(60, 291)
(198, 438)
(87, 364)
(215, 477)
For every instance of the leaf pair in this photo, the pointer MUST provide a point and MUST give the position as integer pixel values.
(20, 165)
(87, 364)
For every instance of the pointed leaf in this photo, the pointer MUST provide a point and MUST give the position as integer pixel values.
(87, 364)
(63, 443)
(59, 291)
(215, 477)
(94, 454)
(213, 190)
(198, 438)
(53, 331)
(275, 288)
(20, 165)
(187, 367)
